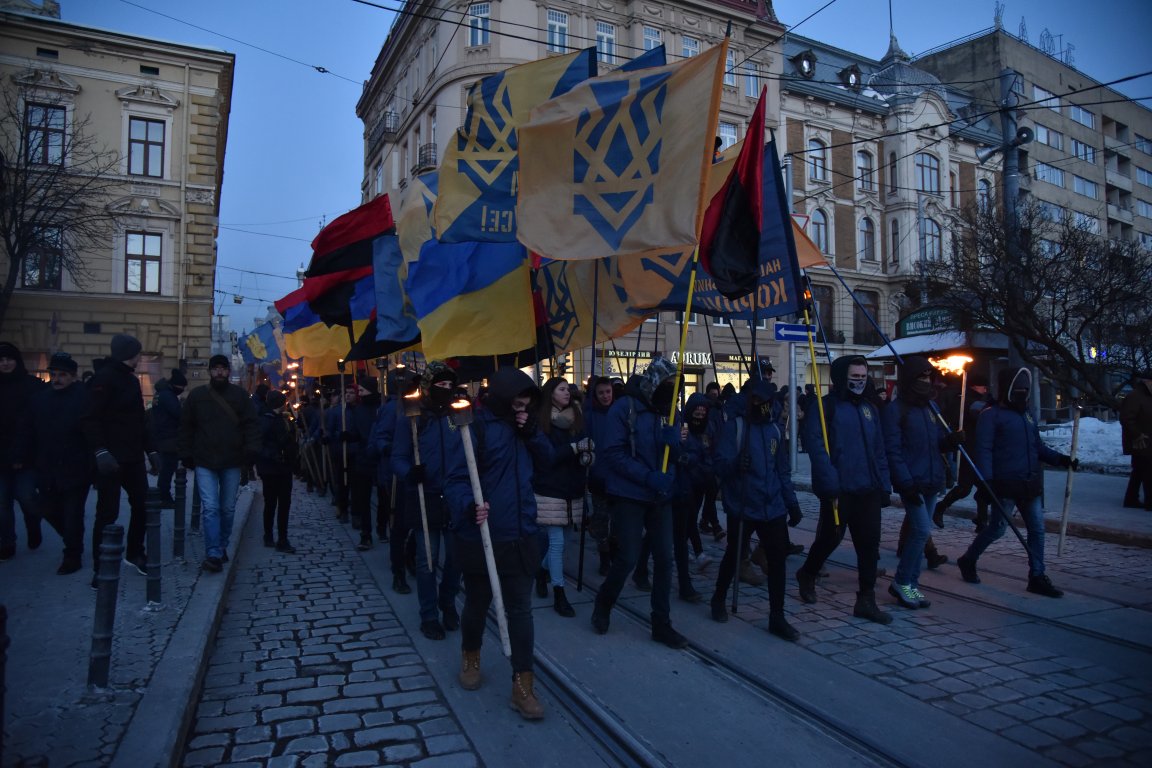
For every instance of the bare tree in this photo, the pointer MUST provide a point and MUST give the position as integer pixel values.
(56, 179)
(1074, 304)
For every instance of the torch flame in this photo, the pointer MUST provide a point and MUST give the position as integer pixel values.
(461, 405)
(953, 364)
(413, 395)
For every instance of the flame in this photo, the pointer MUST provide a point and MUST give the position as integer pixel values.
(461, 405)
(413, 396)
(953, 364)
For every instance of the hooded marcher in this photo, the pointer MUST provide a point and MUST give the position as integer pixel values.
(915, 441)
(17, 479)
(1136, 438)
(61, 458)
(1009, 453)
(164, 420)
(978, 399)
(700, 434)
(504, 438)
(639, 490)
(116, 428)
(599, 401)
(274, 465)
(852, 474)
(392, 425)
(342, 442)
(362, 463)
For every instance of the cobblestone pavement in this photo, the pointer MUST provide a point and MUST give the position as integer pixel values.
(1075, 700)
(311, 666)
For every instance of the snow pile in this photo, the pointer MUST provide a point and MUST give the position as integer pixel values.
(1098, 442)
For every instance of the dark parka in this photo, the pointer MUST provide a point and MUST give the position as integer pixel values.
(633, 450)
(914, 436)
(212, 438)
(62, 458)
(165, 417)
(16, 392)
(1008, 450)
(440, 450)
(277, 444)
(764, 490)
(557, 472)
(361, 418)
(596, 427)
(697, 451)
(1136, 418)
(116, 419)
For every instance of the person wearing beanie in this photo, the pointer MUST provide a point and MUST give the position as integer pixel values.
(164, 420)
(219, 433)
(62, 460)
(116, 428)
(275, 464)
(17, 478)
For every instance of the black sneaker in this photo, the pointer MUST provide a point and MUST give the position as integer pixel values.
(400, 585)
(807, 585)
(968, 570)
(935, 560)
(432, 630)
(69, 566)
(212, 565)
(690, 595)
(365, 543)
(600, 618)
(664, 633)
(1042, 585)
(795, 549)
(140, 563)
(719, 612)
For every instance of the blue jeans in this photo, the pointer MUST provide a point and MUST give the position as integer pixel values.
(16, 485)
(1033, 515)
(554, 557)
(432, 601)
(917, 515)
(629, 521)
(218, 489)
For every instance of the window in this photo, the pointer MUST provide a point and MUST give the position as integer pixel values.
(147, 70)
(378, 178)
(1082, 186)
(933, 241)
(1052, 138)
(1087, 222)
(44, 133)
(823, 298)
(892, 185)
(1050, 212)
(433, 50)
(1144, 208)
(1045, 98)
(1144, 177)
(752, 80)
(984, 194)
(894, 251)
(692, 318)
(1144, 144)
(730, 68)
(145, 147)
(720, 322)
(817, 160)
(47, 53)
(865, 309)
(727, 133)
(653, 38)
(479, 19)
(606, 42)
(928, 173)
(1146, 240)
(1050, 174)
(1082, 116)
(690, 47)
(557, 31)
(43, 261)
(142, 262)
(867, 245)
(820, 230)
(1084, 151)
(865, 172)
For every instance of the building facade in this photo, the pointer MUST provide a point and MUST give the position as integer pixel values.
(162, 109)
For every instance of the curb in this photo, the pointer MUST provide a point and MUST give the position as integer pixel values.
(155, 735)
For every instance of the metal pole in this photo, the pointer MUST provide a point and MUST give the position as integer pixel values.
(153, 531)
(107, 587)
(181, 496)
(195, 505)
(793, 414)
(4, 642)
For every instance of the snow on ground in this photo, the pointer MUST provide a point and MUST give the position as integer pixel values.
(1098, 443)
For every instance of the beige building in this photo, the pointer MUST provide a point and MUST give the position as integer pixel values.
(162, 109)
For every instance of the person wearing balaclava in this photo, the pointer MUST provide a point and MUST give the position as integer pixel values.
(505, 440)
(853, 475)
(640, 492)
(17, 478)
(915, 443)
(439, 446)
(1009, 453)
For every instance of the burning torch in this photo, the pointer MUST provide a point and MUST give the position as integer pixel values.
(412, 411)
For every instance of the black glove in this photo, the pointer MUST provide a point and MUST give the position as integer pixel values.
(912, 498)
(417, 474)
(954, 440)
(153, 463)
(794, 516)
(188, 462)
(106, 463)
(1068, 461)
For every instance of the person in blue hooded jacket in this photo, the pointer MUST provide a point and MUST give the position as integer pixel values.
(853, 476)
(599, 401)
(505, 438)
(640, 493)
(1009, 454)
(390, 419)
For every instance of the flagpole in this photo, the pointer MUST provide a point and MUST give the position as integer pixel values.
(680, 357)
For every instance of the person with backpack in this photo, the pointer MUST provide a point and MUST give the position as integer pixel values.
(277, 458)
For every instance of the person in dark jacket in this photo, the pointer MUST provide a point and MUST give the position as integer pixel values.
(439, 445)
(274, 465)
(504, 437)
(977, 400)
(640, 493)
(116, 428)
(755, 470)
(599, 401)
(391, 425)
(62, 462)
(17, 480)
(915, 441)
(1009, 453)
(1136, 438)
(694, 475)
(362, 460)
(219, 434)
(164, 419)
(851, 477)
(337, 437)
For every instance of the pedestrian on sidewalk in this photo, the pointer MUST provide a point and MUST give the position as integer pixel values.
(17, 479)
(1136, 435)
(219, 435)
(62, 461)
(164, 421)
(274, 465)
(504, 437)
(116, 428)
(1009, 453)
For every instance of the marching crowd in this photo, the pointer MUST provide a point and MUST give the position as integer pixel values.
(618, 463)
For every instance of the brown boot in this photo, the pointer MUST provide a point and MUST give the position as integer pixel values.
(524, 698)
(470, 671)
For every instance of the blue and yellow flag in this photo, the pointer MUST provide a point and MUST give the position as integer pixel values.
(619, 165)
(260, 346)
(477, 200)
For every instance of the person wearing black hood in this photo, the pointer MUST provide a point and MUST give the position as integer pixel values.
(392, 425)
(164, 421)
(363, 460)
(851, 473)
(1009, 453)
(640, 493)
(599, 401)
(274, 464)
(505, 440)
(116, 428)
(17, 479)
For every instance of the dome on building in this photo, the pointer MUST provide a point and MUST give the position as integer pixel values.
(898, 77)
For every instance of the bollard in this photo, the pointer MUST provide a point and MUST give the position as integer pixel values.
(195, 504)
(4, 640)
(178, 521)
(107, 587)
(152, 506)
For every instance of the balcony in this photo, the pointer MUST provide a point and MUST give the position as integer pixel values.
(1116, 145)
(385, 129)
(1118, 180)
(425, 159)
(1119, 213)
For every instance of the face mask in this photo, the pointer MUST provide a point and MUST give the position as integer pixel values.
(857, 387)
(440, 397)
(662, 397)
(924, 389)
(1020, 389)
(759, 413)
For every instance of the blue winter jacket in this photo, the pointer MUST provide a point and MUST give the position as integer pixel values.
(440, 448)
(380, 441)
(557, 473)
(633, 450)
(695, 466)
(858, 463)
(1008, 452)
(596, 427)
(914, 440)
(764, 491)
(361, 418)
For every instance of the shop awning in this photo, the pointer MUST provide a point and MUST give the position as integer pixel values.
(939, 343)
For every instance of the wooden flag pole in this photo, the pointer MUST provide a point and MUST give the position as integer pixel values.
(412, 411)
(1068, 482)
(680, 357)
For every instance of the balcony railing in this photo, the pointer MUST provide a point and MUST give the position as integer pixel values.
(425, 159)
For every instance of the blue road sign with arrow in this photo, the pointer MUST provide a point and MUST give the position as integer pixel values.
(793, 332)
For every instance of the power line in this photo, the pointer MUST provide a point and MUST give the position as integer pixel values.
(267, 234)
(254, 272)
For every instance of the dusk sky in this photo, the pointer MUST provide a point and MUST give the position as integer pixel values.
(295, 147)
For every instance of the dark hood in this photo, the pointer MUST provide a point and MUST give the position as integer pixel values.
(913, 368)
(695, 400)
(10, 350)
(765, 390)
(642, 385)
(506, 384)
(1005, 379)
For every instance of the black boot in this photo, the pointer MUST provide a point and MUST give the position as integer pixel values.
(807, 586)
(662, 632)
(285, 547)
(560, 603)
(778, 625)
(365, 541)
(600, 615)
(1042, 585)
(541, 583)
(400, 584)
(866, 608)
(968, 569)
(719, 612)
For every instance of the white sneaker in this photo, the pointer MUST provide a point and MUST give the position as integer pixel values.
(702, 561)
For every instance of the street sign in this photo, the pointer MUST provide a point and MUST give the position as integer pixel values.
(793, 332)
